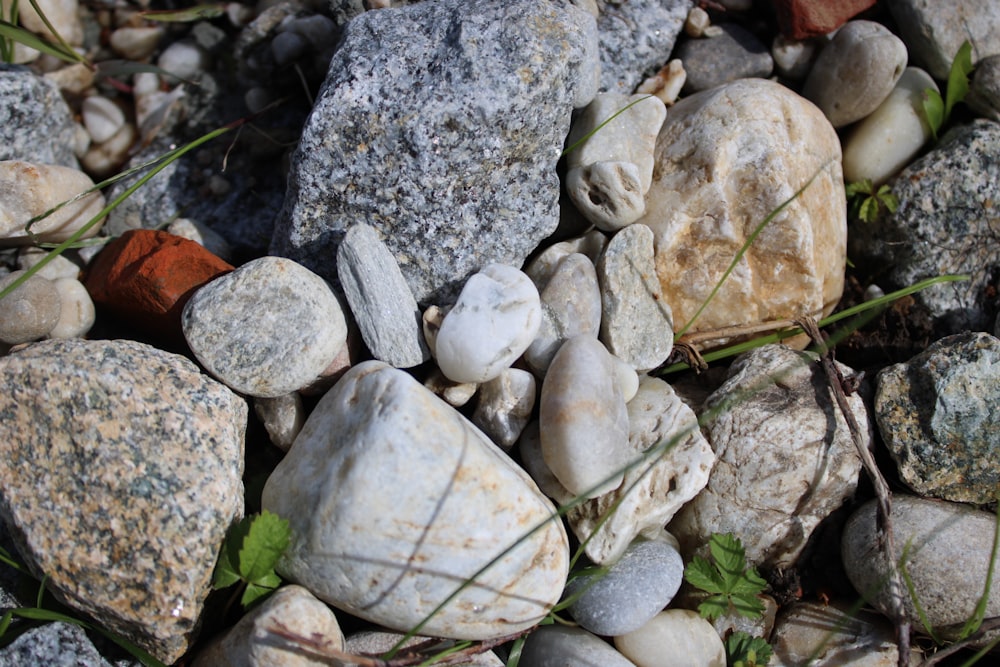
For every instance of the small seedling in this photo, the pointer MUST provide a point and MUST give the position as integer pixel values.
(249, 554)
(745, 650)
(865, 201)
(936, 110)
(733, 584)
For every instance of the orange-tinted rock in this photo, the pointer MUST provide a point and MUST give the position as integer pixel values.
(146, 277)
(799, 19)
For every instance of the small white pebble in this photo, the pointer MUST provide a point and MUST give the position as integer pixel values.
(136, 43)
(239, 14)
(59, 267)
(77, 315)
(30, 311)
(697, 21)
(183, 59)
(104, 159)
(665, 84)
(203, 235)
(712, 31)
(102, 118)
(792, 58)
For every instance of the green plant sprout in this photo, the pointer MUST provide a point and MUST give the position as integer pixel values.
(936, 110)
(745, 650)
(733, 584)
(251, 550)
(865, 202)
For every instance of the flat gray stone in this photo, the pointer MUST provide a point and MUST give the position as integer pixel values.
(933, 37)
(35, 122)
(713, 61)
(52, 645)
(558, 646)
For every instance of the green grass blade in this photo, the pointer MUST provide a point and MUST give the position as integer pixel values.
(579, 142)
(18, 34)
(912, 591)
(515, 652)
(976, 620)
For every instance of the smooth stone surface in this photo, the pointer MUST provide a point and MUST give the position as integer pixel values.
(761, 143)
(950, 546)
(892, 135)
(77, 313)
(183, 59)
(121, 471)
(28, 189)
(786, 458)
(636, 322)
(635, 588)
(203, 235)
(282, 417)
(36, 124)
(31, 311)
(268, 328)
(558, 646)
(933, 37)
(428, 128)
(636, 38)
(712, 61)
(496, 317)
(59, 267)
(541, 268)
(394, 555)
(374, 643)
(380, 299)
(692, 640)
(984, 89)
(504, 406)
(102, 118)
(801, 19)
(937, 415)
(583, 419)
(855, 72)
(63, 15)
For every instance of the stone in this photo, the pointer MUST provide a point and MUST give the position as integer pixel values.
(428, 128)
(496, 317)
(448, 502)
(146, 277)
(203, 235)
(282, 417)
(30, 311)
(58, 267)
(934, 37)
(677, 464)
(583, 419)
(542, 267)
(636, 322)
(696, 22)
(937, 417)
(254, 642)
(63, 15)
(102, 118)
(556, 645)
(666, 84)
(636, 38)
(505, 405)
(801, 19)
(947, 559)
(374, 643)
(268, 328)
(135, 43)
(36, 124)
(381, 301)
(984, 89)
(103, 160)
(77, 313)
(55, 644)
(761, 143)
(855, 72)
(121, 471)
(608, 172)
(28, 189)
(793, 58)
(183, 59)
(529, 446)
(693, 641)
(785, 457)
(932, 233)
(712, 61)
(888, 139)
(634, 589)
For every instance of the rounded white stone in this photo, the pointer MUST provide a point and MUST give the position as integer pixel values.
(58, 267)
(30, 311)
(505, 405)
(692, 640)
(136, 43)
(183, 59)
(104, 159)
(77, 314)
(28, 189)
(203, 235)
(102, 118)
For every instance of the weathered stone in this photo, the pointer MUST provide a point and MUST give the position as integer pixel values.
(36, 124)
(933, 37)
(282, 417)
(733, 54)
(800, 19)
(543, 265)
(423, 501)
(30, 311)
(761, 143)
(984, 89)
(552, 645)
(43, 645)
(374, 643)
(28, 189)
(77, 313)
(505, 405)
(636, 38)
(691, 639)
(121, 472)
(63, 15)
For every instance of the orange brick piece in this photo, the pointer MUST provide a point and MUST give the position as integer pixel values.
(800, 19)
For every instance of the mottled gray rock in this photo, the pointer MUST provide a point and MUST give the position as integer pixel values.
(35, 122)
(933, 37)
(684, 631)
(636, 323)
(29, 312)
(984, 89)
(786, 458)
(422, 501)
(383, 306)
(121, 471)
(558, 646)
(713, 61)
(937, 415)
(504, 406)
(855, 72)
(268, 328)
(53, 645)
(637, 37)
(943, 226)
(430, 128)
(635, 588)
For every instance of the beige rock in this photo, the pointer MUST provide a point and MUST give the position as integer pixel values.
(28, 189)
(136, 43)
(692, 640)
(372, 643)
(64, 15)
(30, 311)
(77, 314)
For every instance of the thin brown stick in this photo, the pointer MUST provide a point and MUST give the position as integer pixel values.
(988, 625)
(732, 332)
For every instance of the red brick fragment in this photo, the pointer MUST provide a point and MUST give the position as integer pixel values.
(799, 19)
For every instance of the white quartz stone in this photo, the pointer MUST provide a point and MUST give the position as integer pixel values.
(505, 405)
(692, 640)
(77, 314)
(102, 118)
(28, 189)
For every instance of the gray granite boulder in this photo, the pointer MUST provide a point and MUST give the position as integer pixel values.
(636, 38)
(440, 124)
(35, 122)
(53, 644)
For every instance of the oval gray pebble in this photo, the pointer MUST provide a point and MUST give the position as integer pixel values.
(30, 311)
(558, 646)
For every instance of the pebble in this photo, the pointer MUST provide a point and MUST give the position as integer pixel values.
(28, 189)
(156, 454)
(103, 160)
(282, 417)
(381, 301)
(183, 59)
(505, 405)
(58, 267)
(496, 317)
(203, 235)
(102, 118)
(793, 58)
(375, 643)
(543, 266)
(63, 15)
(36, 124)
(136, 43)
(67, 642)
(891, 136)
(77, 313)
(934, 37)
(692, 640)
(448, 501)
(455, 394)
(712, 61)
(984, 91)
(268, 328)
(936, 416)
(801, 19)
(74, 79)
(583, 419)
(29, 312)
(636, 322)
(635, 37)
(696, 22)
(634, 589)
(666, 84)
(529, 446)
(855, 72)
(556, 646)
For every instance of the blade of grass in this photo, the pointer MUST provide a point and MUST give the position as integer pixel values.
(18, 34)
(579, 142)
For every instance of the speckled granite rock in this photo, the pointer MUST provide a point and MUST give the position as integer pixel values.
(440, 124)
(636, 38)
(121, 469)
(933, 37)
(53, 645)
(35, 122)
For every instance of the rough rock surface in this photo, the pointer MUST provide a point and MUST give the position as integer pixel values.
(800, 19)
(933, 37)
(30, 311)
(35, 121)
(636, 38)
(713, 61)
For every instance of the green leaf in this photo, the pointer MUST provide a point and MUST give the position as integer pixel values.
(889, 200)
(747, 604)
(267, 539)
(702, 574)
(933, 107)
(729, 557)
(260, 588)
(713, 607)
(227, 570)
(745, 649)
(862, 187)
(958, 78)
(868, 211)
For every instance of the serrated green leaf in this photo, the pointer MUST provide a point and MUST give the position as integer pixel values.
(259, 589)
(864, 186)
(868, 211)
(713, 607)
(747, 604)
(745, 649)
(701, 574)
(958, 78)
(227, 570)
(729, 556)
(933, 107)
(889, 200)
(267, 539)
(750, 583)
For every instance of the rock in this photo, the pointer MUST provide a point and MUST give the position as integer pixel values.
(431, 114)
(609, 172)
(135, 43)
(948, 556)
(77, 313)
(448, 503)
(933, 37)
(936, 415)
(696, 22)
(786, 458)
(35, 122)
(542, 267)
(252, 642)
(932, 233)
(557, 645)
(761, 143)
(146, 277)
(380, 299)
(505, 406)
(282, 417)
(103, 160)
(633, 590)
(636, 323)
(58, 267)
(30, 311)
(712, 61)
(268, 328)
(647, 500)
(184, 59)
(583, 419)
(121, 471)
(375, 643)
(800, 19)
(529, 446)
(855, 72)
(891, 136)
(28, 189)
(63, 15)
(44, 644)
(666, 84)
(693, 641)
(984, 89)
(496, 317)
(102, 118)
(636, 38)
(793, 58)
(203, 235)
